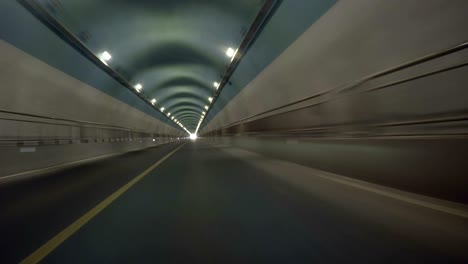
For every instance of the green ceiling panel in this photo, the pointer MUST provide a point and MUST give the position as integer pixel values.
(175, 49)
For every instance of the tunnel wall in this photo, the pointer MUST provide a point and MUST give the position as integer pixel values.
(56, 106)
(34, 87)
(340, 95)
(48, 117)
(353, 40)
(23, 30)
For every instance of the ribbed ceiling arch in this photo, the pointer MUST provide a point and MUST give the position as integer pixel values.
(176, 50)
(179, 114)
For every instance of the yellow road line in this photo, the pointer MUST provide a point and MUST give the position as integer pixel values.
(58, 239)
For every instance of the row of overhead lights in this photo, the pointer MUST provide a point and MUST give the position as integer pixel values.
(105, 57)
(230, 52)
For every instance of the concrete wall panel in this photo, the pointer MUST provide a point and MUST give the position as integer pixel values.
(353, 40)
(31, 86)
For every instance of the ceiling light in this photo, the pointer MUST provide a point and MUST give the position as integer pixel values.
(138, 86)
(153, 101)
(230, 52)
(168, 114)
(216, 84)
(206, 107)
(162, 109)
(105, 56)
(203, 112)
(210, 99)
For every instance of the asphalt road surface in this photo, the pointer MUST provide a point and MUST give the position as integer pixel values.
(211, 204)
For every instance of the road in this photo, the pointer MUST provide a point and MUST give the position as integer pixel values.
(214, 204)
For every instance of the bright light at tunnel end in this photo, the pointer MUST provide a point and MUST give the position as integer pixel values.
(193, 136)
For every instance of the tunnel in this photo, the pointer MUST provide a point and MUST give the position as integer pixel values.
(233, 131)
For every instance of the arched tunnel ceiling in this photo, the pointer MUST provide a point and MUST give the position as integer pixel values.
(175, 49)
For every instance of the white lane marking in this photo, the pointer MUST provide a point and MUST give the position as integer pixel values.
(457, 209)
(442, 208)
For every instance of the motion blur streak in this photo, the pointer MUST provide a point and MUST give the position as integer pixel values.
(307, 131)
